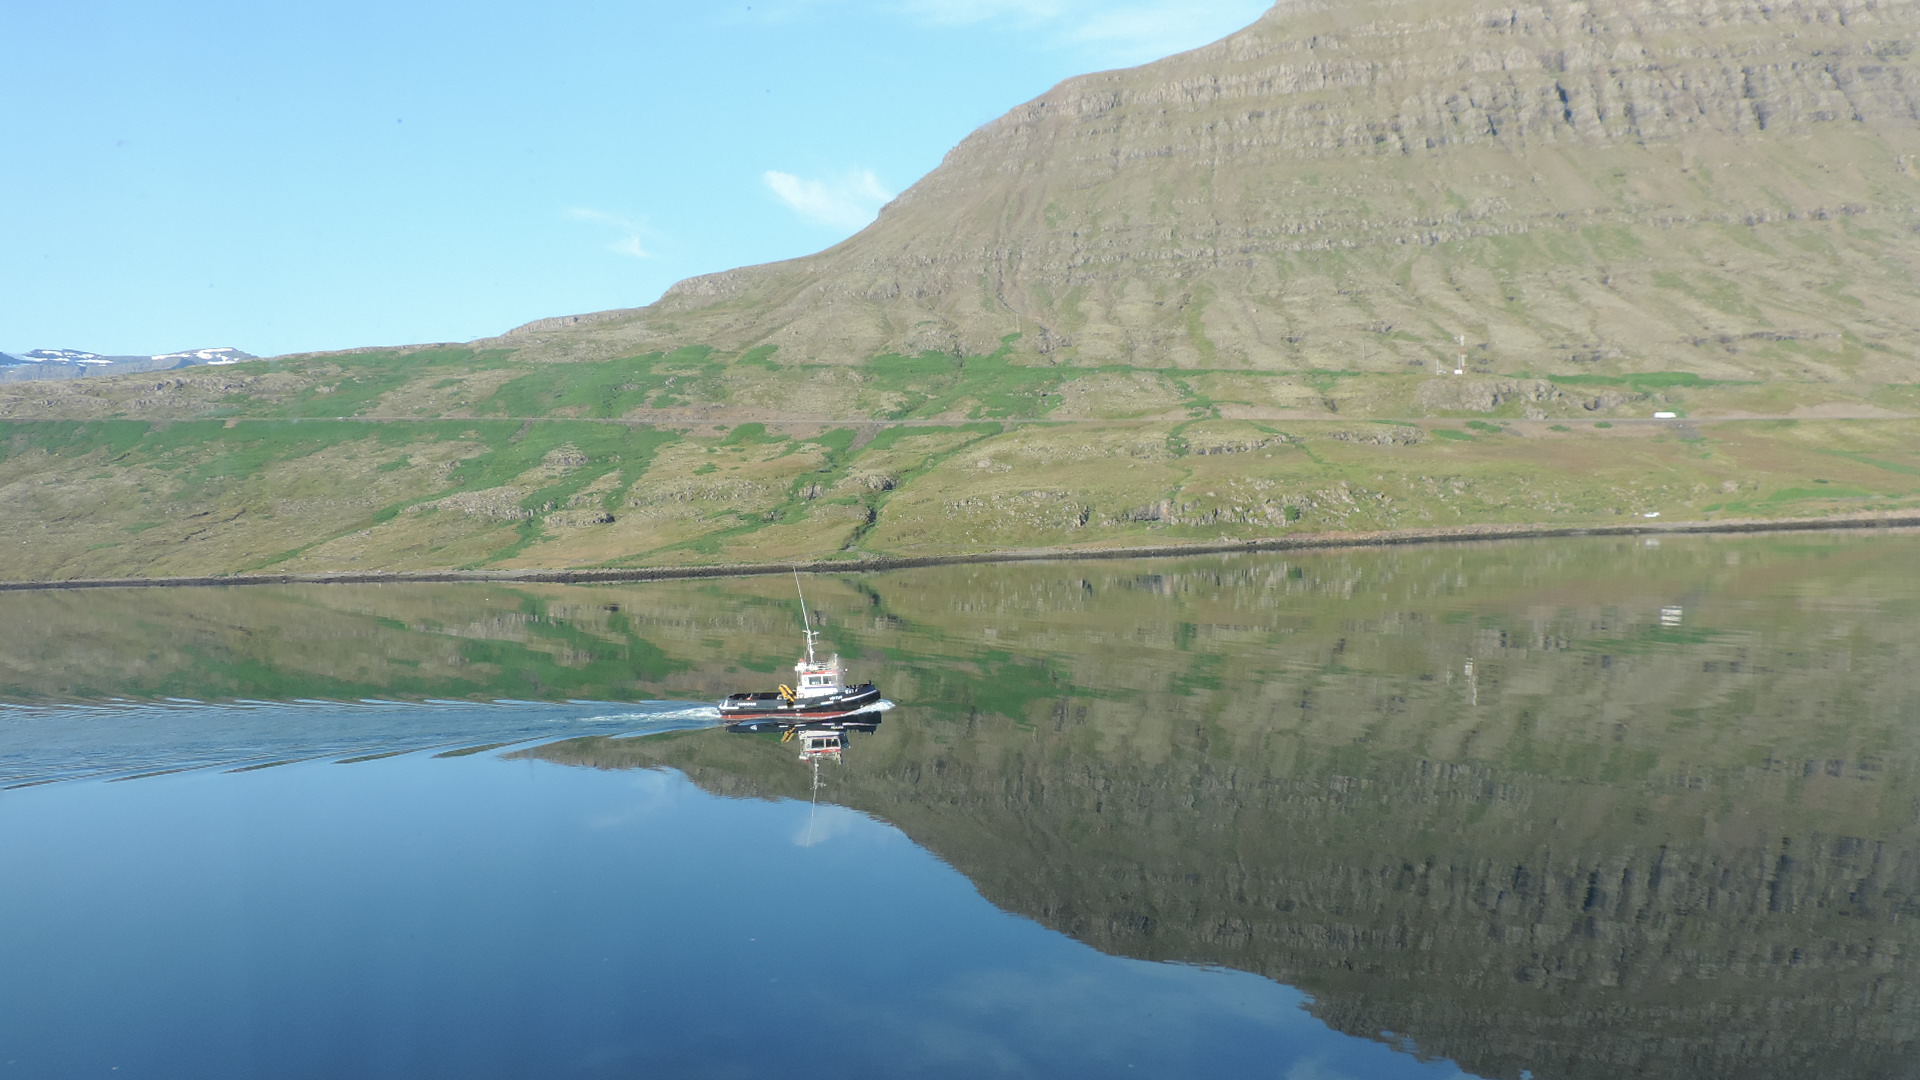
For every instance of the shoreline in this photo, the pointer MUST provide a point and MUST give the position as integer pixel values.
(1305, 542)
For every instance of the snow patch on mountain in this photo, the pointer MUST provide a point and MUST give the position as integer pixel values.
(77, 363)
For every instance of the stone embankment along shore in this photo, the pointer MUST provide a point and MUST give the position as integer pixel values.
(1386, 538)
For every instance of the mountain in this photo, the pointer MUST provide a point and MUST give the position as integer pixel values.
(1729, 188)
(1387, 265)
(76, 363)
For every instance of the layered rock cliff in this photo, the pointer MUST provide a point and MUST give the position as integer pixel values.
(1722, 186)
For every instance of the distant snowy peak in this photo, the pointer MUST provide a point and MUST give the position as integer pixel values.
(73, 363)
(64, 356)
(208, 356)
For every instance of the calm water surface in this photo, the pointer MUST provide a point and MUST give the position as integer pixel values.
(1580, 809)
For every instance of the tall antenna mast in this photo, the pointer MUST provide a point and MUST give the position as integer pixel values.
(806, 624)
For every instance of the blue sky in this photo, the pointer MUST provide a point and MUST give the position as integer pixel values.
(296, 176)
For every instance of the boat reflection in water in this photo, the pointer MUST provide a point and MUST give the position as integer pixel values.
(822, 744)
(815, 745)
(866, 720)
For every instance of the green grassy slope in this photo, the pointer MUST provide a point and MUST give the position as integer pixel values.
(451, 458)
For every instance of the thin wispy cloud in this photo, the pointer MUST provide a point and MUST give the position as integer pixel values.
(1124, 33)
(1103, 33)
(628, 232)
(849, 201)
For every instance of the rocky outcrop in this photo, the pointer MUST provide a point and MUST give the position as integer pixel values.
(1486, 395)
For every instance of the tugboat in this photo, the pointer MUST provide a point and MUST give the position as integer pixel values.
(819, 697)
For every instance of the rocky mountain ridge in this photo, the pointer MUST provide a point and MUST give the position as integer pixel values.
(1721, 187)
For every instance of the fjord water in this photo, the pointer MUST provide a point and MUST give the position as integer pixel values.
(1579, 808)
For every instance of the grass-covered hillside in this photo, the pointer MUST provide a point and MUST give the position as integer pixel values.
(442, 458)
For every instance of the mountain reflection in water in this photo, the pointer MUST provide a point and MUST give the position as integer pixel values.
(1584, 808)
(1554, 830)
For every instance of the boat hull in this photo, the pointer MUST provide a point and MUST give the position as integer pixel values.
(774, 705)
(867, 720)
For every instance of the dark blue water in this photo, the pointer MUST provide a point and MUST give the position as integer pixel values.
(482, 915)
